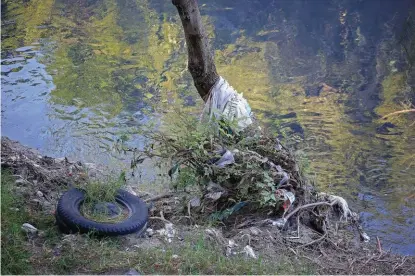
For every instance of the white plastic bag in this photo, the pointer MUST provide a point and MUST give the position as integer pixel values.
(225, 103)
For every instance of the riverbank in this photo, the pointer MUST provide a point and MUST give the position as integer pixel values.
(31, 185)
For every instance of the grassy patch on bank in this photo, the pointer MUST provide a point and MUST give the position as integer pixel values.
(82, 254)
(202, 258)
(51, 252)
(14, 253)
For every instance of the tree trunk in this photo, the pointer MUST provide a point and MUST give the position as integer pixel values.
(200, 64)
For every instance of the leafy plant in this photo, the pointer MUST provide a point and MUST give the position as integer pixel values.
(193, 148)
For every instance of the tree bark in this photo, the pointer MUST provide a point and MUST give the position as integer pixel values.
(200, 60)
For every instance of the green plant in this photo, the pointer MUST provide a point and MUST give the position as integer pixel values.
(102, 191)
(193, 147)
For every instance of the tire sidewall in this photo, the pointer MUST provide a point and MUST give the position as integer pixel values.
(69, 214)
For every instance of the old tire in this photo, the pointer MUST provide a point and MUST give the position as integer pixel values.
(69, 217)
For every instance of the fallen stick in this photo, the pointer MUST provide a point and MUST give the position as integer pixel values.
(308, 206)
(379, 245)
(158, 197)
(162, 219)
(398, 112)
(313, 242)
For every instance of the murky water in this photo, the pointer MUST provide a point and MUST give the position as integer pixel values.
(76, 75)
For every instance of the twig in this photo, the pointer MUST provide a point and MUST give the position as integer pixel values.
(398, 112)
(314, 261)
(308, 206)
(368, 260)
(188, 209)
(162, 219)
(379, 245)
(315, 241)
(292, 250)
(249, 238)
(396, 266)
(158, 197)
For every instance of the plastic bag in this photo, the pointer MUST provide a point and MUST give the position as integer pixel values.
(225, 103)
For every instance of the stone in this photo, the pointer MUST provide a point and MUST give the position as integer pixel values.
(39, 194)
(28, 228)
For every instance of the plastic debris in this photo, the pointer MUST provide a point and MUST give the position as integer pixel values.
(214, 196)
(168, 232)
(215, 191)
(230, 248)
(286, 196)
(150, 232)
(341, 203)
(279, 222)
(226, 159)
(250, 252)
(365, 237)
(195, 202)
(28, 228)
(225, 102)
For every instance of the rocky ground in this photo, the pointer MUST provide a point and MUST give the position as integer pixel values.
(177, 241)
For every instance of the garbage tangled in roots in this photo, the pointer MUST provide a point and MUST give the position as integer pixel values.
(240, 179)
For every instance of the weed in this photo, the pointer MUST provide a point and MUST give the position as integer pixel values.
(102, 191)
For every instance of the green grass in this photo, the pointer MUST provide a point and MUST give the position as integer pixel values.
(103, 190)
(54, 253)
(203, 258)
(94, 256)
(14, 255)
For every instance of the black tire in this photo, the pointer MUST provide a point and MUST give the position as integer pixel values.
(69, 216)
(61, 225)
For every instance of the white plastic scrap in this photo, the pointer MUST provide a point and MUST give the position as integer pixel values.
(226, 159)
(225, 102)
(342, 203)
(168, 232)
(229, 248)
(279, 222)
(28, 228)
(250, 252)
(365, 237)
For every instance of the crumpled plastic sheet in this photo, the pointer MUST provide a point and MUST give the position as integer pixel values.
(225, 102)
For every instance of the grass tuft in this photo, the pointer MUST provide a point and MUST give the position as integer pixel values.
(103, 190)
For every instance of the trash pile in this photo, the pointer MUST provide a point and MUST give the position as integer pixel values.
(235, 167)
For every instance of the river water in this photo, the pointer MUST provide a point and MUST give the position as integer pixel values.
(76, 75)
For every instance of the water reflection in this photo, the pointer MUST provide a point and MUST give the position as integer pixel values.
(76, 75)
